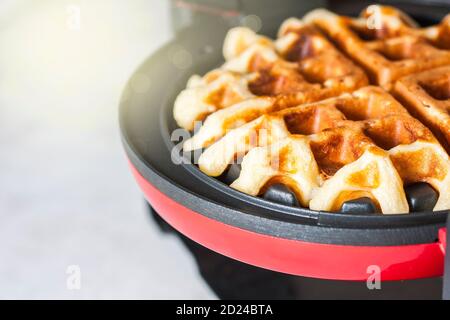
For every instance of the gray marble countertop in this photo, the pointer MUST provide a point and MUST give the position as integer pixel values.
(66, 195)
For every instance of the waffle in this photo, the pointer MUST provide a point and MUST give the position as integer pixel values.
(259, 67)
(386, 42)
(427, 95)
(335, 150)
(299, 112)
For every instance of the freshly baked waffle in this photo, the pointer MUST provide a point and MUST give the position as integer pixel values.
(427, 95)
(386, 42)
(335, 150)
(257, 66)
(298, 112)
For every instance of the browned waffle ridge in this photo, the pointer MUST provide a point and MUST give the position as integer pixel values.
(427, 95)
(386, 43)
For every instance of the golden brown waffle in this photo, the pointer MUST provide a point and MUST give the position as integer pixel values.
(256, 66)
(427, 95)
(336, 150)
(300, 113)
(386, 42)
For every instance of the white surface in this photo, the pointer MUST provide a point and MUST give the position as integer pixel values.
(66, 195)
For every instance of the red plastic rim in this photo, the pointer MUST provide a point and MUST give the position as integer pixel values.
(316, 260)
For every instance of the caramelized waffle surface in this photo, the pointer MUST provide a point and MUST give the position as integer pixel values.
(386, 42)
(335, 150)
(299, 112)
(427, 96)
(257, 66)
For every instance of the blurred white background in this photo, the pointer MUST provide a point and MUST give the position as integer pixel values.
(66, 194)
